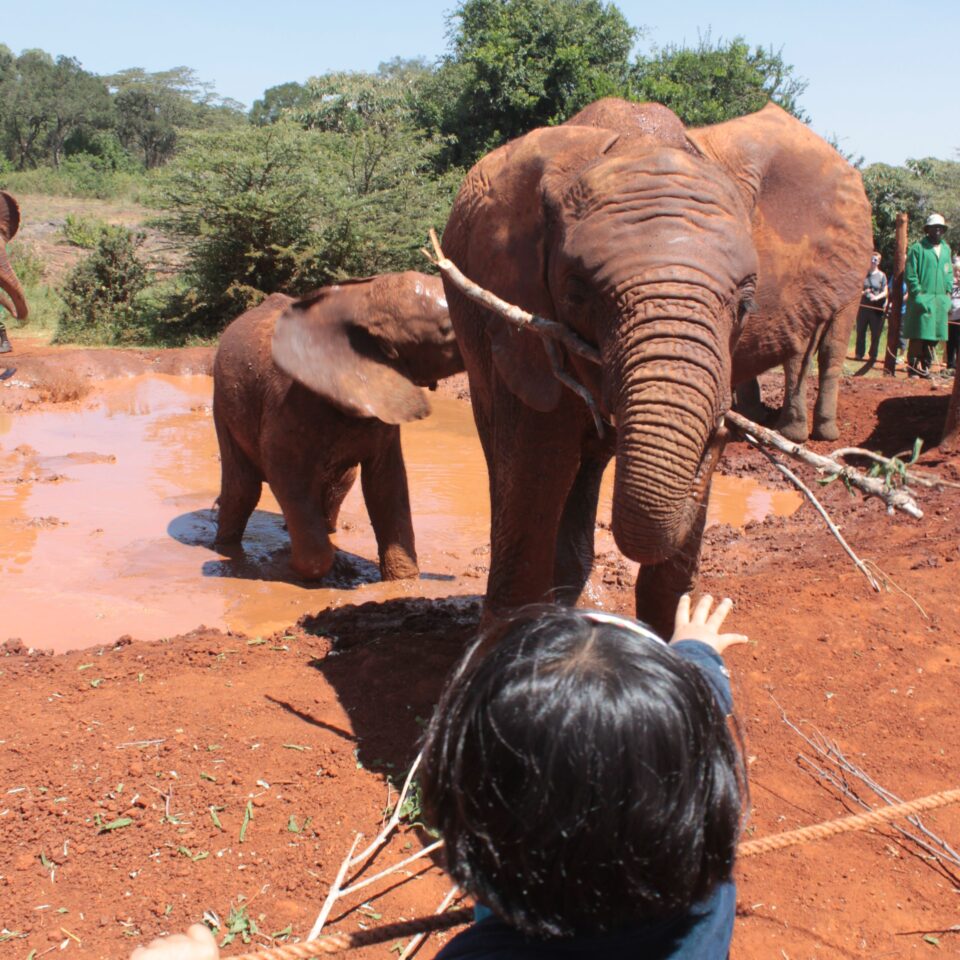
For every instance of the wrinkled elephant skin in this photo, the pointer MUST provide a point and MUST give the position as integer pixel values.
(306, 392)
(693, 260)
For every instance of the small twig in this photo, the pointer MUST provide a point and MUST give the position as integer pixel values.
(829, 751)
(140, 743)
(352, 860)
(412, 947)
(808, 493)
(334, 891)
(419, 855)
(869, 486)
(888, 582)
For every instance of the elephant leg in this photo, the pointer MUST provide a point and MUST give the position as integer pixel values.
(660, 586)
(830, 357)
(748, 401)
(301, 499)
(792, 422)
(575, 541)
(334, 495)
(240, 487)
(538, 458)
(383, 479)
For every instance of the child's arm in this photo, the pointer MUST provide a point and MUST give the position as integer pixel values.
(196, 944)
(697, 638)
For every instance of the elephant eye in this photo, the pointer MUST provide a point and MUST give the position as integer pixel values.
(578, 291)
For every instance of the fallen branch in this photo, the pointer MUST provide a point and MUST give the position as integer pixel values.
(895, 499)
(818, 506)
(352, 860)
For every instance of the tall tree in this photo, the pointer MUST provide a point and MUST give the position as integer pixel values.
(519, 64)
(43, 102)
(713, 82)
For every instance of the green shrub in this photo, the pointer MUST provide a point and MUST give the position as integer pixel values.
(78, 176)
(86, 232)
(42, 299)
(100, 294)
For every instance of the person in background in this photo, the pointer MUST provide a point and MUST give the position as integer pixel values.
(953, 322)
(929, 278)
(873, 305)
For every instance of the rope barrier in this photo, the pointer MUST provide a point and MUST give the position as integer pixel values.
(338, 942)
(860, 821)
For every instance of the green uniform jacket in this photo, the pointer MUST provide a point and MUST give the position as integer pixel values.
(929, 280)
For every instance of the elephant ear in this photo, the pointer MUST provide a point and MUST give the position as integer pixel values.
(498, 235)
(9, 216)
(809, 213)
(322, 343)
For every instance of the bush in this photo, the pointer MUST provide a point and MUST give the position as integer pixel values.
(100, 294)
(42, 299)
(80, 175)
(86, 232)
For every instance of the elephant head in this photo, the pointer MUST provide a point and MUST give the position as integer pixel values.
(369, 345)
(12, 296)
(645, 250)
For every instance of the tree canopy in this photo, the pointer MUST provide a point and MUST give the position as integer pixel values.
(711, 82)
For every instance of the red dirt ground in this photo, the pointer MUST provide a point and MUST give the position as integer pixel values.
(302, 729)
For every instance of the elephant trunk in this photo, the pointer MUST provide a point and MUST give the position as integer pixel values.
(671, 376)
(11, 285)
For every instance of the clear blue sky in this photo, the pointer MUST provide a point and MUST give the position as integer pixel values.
(848, 51)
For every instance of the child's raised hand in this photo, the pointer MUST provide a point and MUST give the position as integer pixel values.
(196, 944)
(703, 625)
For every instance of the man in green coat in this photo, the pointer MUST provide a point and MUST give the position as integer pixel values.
(929, 278)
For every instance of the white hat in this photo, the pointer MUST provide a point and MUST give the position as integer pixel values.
(935, 220)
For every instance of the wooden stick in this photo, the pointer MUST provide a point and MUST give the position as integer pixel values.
(869, 486)
(831, 526)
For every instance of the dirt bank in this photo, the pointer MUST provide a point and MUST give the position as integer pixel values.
(142, 784)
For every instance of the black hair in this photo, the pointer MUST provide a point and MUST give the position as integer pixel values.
(582, 775)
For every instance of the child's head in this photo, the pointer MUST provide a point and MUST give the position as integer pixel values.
(582, 775)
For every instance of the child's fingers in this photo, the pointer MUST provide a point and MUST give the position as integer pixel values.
(729, 640)
(682, 617)
(702, 610)
(720, 614)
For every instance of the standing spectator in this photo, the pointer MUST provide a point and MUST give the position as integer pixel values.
(929, 279)
(873, 304)
(953, 331)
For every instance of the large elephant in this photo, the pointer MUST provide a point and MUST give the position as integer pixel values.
(11, 293)
(306, 391)
(693, 260)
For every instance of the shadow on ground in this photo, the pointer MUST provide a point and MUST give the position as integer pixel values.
(388, 663)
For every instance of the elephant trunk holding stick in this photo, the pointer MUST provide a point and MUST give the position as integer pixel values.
(307, 391)
(693, 262)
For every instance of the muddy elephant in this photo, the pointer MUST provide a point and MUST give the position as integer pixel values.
(809, 316)
(693, 261)
(308, 391)
(11, 293)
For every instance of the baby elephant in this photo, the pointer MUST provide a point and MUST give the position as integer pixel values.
(306, 391)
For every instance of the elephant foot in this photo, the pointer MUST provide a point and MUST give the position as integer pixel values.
(795, 430)
(399, 565)
(313, 568)
(827, 430)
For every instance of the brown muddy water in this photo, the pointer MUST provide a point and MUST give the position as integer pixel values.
(106, 521)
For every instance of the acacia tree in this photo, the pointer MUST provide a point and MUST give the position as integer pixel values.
(43, 102)
(711, 82)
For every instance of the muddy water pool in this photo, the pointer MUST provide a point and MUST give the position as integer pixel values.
(106, 521)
